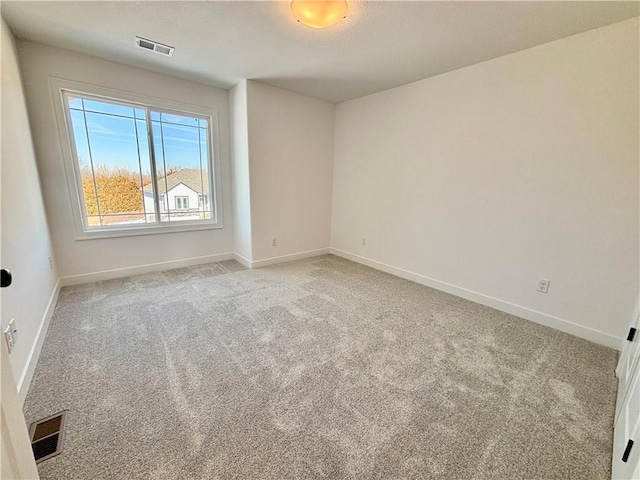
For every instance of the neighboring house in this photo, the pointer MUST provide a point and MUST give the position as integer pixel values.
(185, 191)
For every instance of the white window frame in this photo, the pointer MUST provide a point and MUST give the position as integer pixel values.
(59, 87)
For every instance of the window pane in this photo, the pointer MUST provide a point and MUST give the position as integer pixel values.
(178, 119)
(113, 159)
(182, 157)
(75, 102)
(105, 107)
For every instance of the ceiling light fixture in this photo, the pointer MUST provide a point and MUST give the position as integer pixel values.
(319, 13)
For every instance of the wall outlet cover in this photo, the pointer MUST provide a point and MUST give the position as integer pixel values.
(543, 286)
(9, 338)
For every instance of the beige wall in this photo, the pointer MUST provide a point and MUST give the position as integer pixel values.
(97, 255)
(291, 167)
(483, 180)
(25, 243)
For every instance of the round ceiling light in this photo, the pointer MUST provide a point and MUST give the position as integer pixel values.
(319, 13)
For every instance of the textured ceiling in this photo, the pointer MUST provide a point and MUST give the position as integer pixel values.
(380, 45)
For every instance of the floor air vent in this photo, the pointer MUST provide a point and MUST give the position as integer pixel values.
(47, 436)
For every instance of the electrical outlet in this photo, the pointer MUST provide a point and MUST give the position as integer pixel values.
(364, 242)
(274, 241)
(10, 334)
(50, 263)
(543, 285)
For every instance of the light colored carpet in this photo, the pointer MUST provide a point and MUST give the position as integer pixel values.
(319, 368)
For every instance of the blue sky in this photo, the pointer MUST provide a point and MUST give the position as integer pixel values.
(113, 138)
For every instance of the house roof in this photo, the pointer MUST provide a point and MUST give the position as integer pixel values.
(194, 178)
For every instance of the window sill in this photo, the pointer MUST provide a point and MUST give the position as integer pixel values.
(108, 232)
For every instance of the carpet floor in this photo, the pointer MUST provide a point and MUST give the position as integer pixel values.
(319, 368)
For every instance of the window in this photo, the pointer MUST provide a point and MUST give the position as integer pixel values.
(136, 166)
(182, 203)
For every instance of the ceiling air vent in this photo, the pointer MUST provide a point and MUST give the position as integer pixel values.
(155, 46)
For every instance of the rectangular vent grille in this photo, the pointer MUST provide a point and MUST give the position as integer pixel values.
(144, 44)
(155, 46)
(46, 448)
(47, 436)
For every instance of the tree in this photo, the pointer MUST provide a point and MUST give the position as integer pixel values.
(119, 190)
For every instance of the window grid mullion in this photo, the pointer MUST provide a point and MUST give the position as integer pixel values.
(154, 173)
(204, 205)
(135, 126)
(164, 164)
(115, 115)
(93, 173)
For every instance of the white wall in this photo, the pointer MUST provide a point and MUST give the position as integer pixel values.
(291, 165)
(485, 179)
(241, 181)
(96, 255)
(17, 456)
(25, 243)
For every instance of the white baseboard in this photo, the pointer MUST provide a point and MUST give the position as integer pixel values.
(32, 360)
(561, 324)
(243, 260)
(281, 259)
(142, 269)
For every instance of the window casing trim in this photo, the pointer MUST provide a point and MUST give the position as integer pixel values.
(62, 87)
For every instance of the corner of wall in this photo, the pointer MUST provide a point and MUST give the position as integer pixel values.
(240, 174)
